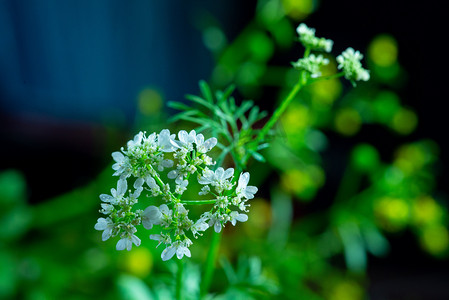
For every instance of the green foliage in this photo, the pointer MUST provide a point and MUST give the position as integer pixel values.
(234, 124)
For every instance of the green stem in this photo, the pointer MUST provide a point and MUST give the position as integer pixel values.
(179, 281)
(198, 202)
(210, 262)
(278, 112)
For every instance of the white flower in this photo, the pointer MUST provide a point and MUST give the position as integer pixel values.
(181, 187)
(309, 40)
(167, 215)
(122, 166)
(214, 220)
(117, 195)
(165, 140)
(349, 61)
(161, 238)
(136, 142)
(179, 248)
(311, 64)
(166, 163)
(199, 225)
(155, 189)
(127, 242)
(107, 225)
(151, 216)
(205, 190)
(107, 208)
(218, 179)
(204, 146)
(236, 216)
(243, 190)
(138, 188)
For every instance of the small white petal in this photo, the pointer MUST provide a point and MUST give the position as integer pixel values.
(107, 198)
(228, 173)
(242, 218)
(122, 185)
(118, 156)
(217, 226)
(172, 174)
(101, 224)
(135, 240)
(168, 253)
(209, 144)
(122, 244)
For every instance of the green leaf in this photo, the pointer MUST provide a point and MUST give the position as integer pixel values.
(244, 107)
(201, 101)
(178, 105)
(259, 157)
(205, 90)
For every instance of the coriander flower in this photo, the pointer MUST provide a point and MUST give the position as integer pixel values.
(117, 195)
(309, 40)
(349, 61)
(311, 64)
(144, 160)
(243, 190)
(186, 140)
(122, 165)
(236, 216)
(199, 225)
(165, 140)
(179, 248)
(204, 146)
(218, 179)
(151, 216)
(127, 242)
(107, 226)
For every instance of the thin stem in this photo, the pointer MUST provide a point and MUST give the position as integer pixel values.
(179, 281)
(210, 262)
(278, 112)
(198, 202)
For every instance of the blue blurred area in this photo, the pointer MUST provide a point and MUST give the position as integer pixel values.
(84, 59)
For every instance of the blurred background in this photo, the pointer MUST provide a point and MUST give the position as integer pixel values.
(359, 211)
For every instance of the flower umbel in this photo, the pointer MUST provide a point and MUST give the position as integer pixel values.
(349, 62)
(143, 162)
(309, 40)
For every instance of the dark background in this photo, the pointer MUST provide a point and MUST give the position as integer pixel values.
(71, 72)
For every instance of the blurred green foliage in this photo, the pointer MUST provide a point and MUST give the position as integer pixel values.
(51, 251)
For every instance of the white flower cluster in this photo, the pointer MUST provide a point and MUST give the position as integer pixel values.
(312, 64)
(309, 40)
(349, 61)
(145, 160)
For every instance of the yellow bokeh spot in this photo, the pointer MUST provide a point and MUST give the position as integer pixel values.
(392, 213)
(345, 290)
(298, 181)
(435, 239)
(325, 92)
(295, 181)
(260, 218)
(426, 210)
(295, 119)
(383, 50)
(410, 158)
(149, 101)
(404, 121)
(348, 121)
(298, 9)
(138, 262)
